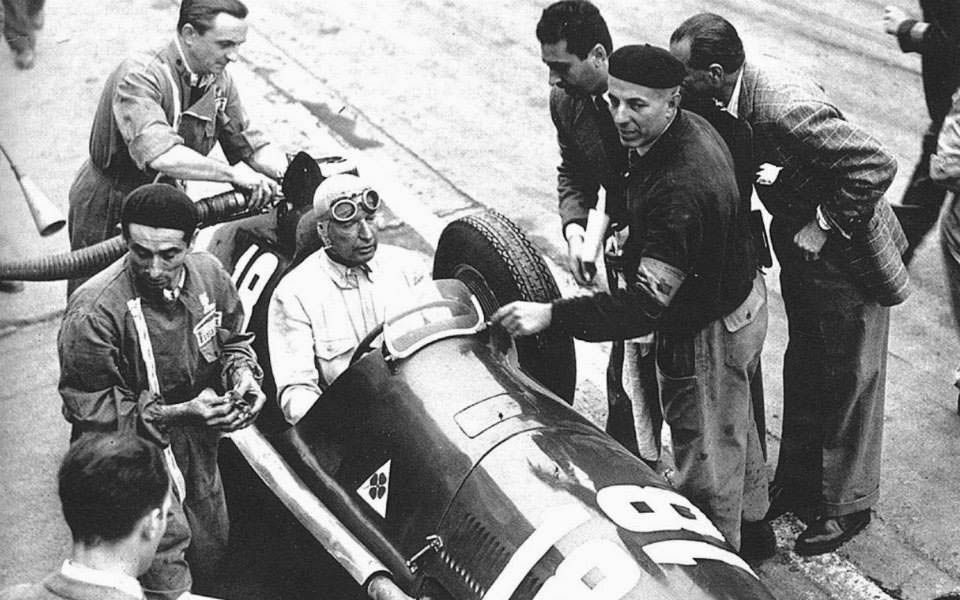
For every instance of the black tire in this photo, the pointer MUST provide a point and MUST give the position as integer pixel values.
(497, 262)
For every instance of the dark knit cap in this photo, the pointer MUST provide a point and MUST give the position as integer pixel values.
(160, 205)
(647, 65)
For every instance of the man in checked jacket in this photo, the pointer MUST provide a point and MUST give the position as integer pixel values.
(823, 180)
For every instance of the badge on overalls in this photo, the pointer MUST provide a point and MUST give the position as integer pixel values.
(221, 101)
(206, 333)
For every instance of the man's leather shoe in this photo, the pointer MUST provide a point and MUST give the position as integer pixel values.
(826, 534)
(24, 59)
(757, 541)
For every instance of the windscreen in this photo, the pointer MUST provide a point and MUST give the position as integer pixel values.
(435, 310)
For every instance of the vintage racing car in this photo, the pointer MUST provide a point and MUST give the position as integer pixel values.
(446, 461)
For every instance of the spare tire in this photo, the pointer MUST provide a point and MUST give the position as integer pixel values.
(499, 264)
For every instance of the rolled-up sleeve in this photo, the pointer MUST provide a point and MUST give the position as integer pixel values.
(140, 116)
(290, 338)
(95, 395)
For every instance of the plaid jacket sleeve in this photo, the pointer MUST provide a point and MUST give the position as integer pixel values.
(860, 168)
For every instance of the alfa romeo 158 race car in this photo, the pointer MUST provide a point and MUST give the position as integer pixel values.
(446, 461)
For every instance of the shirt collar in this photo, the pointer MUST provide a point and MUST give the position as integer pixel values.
(174, 294)
(345, 277)
(733, 107)
(118, 581)
(192, 78)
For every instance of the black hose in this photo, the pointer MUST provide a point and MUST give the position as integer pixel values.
(227, 206)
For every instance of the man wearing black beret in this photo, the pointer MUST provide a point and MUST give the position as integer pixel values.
(154, 345)
(692, 279)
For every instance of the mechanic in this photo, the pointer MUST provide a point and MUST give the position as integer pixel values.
(839, 247)
(324, 306)
(153, 345)
(694, 281)
(115, 495)
(159, 115)
(575, 43)
(937, 39)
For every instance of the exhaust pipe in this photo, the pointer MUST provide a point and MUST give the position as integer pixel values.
(365, 568)
(84, 262)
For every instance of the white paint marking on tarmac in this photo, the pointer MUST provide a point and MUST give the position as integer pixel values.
(831, 572)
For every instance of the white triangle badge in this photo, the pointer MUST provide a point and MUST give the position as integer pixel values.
(376, 489)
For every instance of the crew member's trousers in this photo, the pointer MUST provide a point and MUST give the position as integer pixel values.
(705, 390)
(834, 373)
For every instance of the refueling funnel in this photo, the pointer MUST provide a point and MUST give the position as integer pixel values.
(47, 217)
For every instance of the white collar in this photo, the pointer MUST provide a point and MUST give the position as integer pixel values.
(733, 107)
(172, 295)
(118, 581)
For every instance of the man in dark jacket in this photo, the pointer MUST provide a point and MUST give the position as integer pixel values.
(574, 44)
(693, 280)
(937, 39)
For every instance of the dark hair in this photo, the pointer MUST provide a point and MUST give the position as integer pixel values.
(713, 39)
(576, 21)
(201, 13)
(108, 482)
(159, 205)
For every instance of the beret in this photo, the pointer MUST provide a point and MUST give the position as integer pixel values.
(160, 205)
(647, 65)
(341, 185)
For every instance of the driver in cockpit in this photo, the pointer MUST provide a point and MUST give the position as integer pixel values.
(325, 305)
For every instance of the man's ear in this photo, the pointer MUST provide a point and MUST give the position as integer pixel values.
(193, 239)
(322, 232)
(598, 53)
(152, 525)
(674, 100)
(189, 33)
(717, 73)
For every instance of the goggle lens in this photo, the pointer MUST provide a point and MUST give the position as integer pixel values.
(346, 209)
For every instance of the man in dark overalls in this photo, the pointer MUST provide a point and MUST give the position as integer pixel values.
(154, 345)
(159, 115)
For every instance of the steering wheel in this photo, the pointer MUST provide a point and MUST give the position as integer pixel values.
(366, 344)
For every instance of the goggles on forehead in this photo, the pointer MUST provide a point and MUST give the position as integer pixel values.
(344, 210)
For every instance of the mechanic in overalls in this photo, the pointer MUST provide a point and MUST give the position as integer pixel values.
(161, 113)
(153, 346)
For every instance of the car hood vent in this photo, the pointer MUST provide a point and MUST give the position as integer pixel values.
(478, 555)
